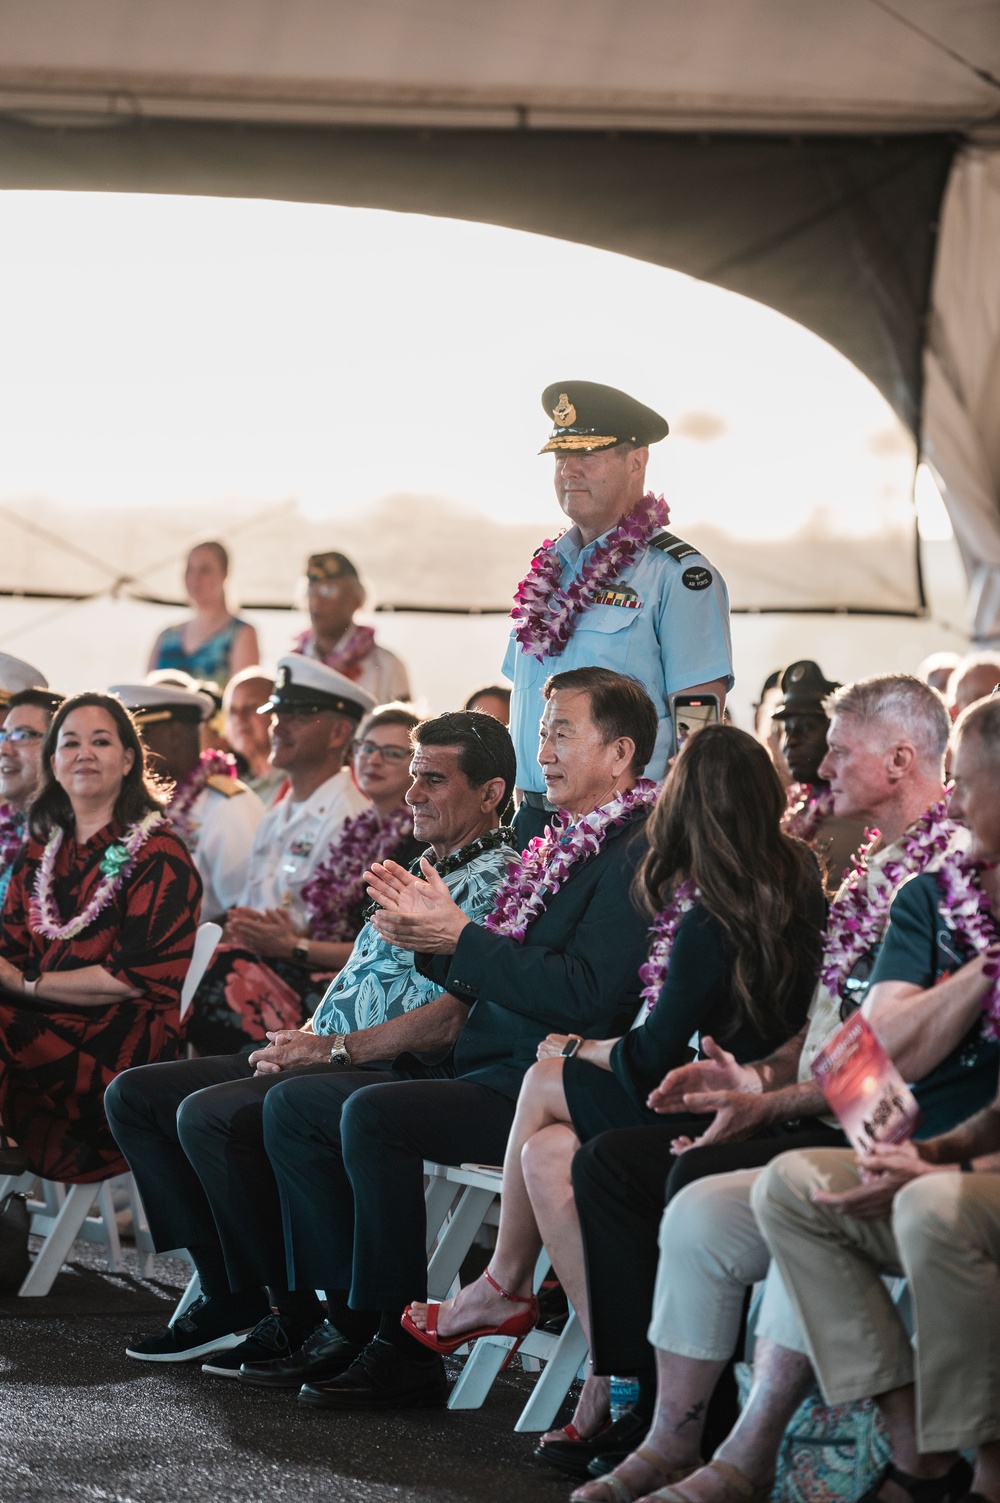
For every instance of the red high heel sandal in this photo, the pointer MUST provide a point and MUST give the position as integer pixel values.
(517, 1325)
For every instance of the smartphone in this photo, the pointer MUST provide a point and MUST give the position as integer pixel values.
(691, 713)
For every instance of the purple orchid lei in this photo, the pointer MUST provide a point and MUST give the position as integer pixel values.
(968, 913)
(13, 823)
(211, 764)
(806, 810)
(115, 863)
(336, 886)
(550, 859)
(546, 613)
(664, 932)
(857, 918)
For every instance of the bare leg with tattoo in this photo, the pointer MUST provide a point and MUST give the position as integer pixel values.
(781, 1381)
(673, 1445)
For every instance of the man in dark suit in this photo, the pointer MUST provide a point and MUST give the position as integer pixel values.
(341, 1149)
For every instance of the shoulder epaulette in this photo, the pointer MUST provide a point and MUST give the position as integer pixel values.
(226, 785)
(667, 542)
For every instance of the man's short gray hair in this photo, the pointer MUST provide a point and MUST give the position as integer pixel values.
(898, 707)
(982, 719)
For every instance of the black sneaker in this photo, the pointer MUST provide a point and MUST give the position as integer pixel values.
(212, 1324)
(382, 1377)
(273, 1337)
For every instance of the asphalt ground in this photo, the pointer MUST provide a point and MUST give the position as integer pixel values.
(80, 1420)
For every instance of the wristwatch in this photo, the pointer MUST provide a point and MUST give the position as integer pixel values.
(571, 1045)
(339, 1054)
(300, 951)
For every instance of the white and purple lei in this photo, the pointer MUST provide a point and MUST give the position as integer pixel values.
(550, 859)
(546, 613)
(857, 918)
(211, 764)
(664, 932)
(115, 863)
(807, 807)
(968, 913)
(336, 886)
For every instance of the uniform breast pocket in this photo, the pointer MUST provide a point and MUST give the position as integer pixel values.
(606, 637)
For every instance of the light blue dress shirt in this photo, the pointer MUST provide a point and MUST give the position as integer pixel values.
(380, 980)
(670, 630)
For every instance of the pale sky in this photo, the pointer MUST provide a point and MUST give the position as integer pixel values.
(170, 350)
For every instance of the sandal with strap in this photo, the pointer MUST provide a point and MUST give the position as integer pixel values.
(518, 1325)
(952, 1486)
(618, 1490)
(615, 1437)
(748, 1491)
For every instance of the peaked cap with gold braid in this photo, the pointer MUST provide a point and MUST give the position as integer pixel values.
(589, 416)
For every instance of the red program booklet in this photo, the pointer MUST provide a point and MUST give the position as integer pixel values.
(870, 1098)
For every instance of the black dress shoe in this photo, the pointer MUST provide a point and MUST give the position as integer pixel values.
(382, 1378)
(323, 1354)
(574, 1457)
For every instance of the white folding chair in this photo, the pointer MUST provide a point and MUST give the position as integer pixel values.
(62, 1214)
(458, 1201)
(205, 943)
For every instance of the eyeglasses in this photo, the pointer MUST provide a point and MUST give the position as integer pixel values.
(856, 986)
(327, 586)
(387, 753)
(20, 733)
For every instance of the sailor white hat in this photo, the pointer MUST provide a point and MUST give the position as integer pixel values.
(303, 683)
(16, 674)
(152, 702)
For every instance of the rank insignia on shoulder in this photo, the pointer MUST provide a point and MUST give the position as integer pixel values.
(623, 596)
(667, 542)
(226, 785)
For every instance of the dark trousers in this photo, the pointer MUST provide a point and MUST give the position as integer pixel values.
(311, 1179)
(621, 1181)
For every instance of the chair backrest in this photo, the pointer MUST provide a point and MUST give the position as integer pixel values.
(206, 939)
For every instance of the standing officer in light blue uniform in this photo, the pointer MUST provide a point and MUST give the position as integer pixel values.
(662, 617)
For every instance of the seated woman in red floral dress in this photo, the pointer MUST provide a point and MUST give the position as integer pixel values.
(271, 975)
(98, 928)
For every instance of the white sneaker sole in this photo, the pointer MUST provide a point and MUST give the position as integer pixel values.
(220, 1372)
(220, 1344)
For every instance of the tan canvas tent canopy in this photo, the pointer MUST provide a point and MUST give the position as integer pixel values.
(838, 163)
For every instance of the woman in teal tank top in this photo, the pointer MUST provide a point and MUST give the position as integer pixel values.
(213, 643)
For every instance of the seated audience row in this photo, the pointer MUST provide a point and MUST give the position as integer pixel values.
(536, 1009)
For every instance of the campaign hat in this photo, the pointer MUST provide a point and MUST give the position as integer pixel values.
(150, 703)
(16, 674)
(303, 683)
(589, 416)
(804, 690)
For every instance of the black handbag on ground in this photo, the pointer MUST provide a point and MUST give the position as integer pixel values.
(15, 1260)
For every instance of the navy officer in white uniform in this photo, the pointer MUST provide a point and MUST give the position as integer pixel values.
(617, 589)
